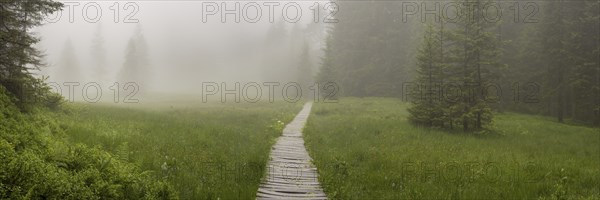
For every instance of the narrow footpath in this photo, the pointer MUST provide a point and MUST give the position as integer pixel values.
(290, 172)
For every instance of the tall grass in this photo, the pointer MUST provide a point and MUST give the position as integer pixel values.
(207, 151)
(366, 149)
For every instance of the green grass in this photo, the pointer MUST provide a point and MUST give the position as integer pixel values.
(206, 151)
(366, 149)
(38, 162)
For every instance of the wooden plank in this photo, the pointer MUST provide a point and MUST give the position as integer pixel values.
(284, 182)
(291, 174)
(290, 194)
(275, 184)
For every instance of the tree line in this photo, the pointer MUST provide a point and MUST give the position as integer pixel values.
(135, 68)
(21, 62)
(460, 72)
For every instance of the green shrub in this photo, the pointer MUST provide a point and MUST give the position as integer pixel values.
(39, 163)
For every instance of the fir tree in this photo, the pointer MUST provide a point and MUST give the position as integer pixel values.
(19, 58)
(136, 67)
(98, 53)
(475, 64)
(426, 106)
(67, 68)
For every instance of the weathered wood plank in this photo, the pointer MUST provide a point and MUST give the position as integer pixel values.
(291, 174)
(290, 194)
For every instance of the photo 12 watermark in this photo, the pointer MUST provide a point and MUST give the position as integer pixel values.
(451, 92)
(91, 92)
(252, 92)
(453, 12)
(410, 171)
(94, 12)
(253, 12)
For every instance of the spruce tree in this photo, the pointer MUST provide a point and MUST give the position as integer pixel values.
(426, 108)
(18, 57)
(98, 53)
(475, 64)
(136, 68)
(68, 68)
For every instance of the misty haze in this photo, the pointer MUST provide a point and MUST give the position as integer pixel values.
(346, 99)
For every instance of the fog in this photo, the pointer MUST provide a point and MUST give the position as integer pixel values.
(182, 49)
(336, 99)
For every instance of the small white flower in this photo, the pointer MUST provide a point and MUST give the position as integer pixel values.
(164, 166)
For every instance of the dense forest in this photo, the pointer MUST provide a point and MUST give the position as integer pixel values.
(457, 70)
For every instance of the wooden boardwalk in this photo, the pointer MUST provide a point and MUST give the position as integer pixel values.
(291, 174)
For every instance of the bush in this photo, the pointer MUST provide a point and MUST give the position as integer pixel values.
(38, 163)
(29, 92)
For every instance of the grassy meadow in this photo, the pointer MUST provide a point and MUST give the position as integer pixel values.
(365, 148)
(205, 150)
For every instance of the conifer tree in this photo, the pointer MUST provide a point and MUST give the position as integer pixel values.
(98, 53)
(67, 68)
(136, 68)
(475, 64)
(19, 58)
(426, 106)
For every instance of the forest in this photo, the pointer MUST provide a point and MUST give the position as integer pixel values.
(542, 60)
(449, 99)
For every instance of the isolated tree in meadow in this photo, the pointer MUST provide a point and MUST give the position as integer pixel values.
(426, 108)
(464, 54)
(474, 64)
(68, 68)
(98, 53)
(136, 66)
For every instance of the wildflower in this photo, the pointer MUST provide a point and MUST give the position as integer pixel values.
(164, 166)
